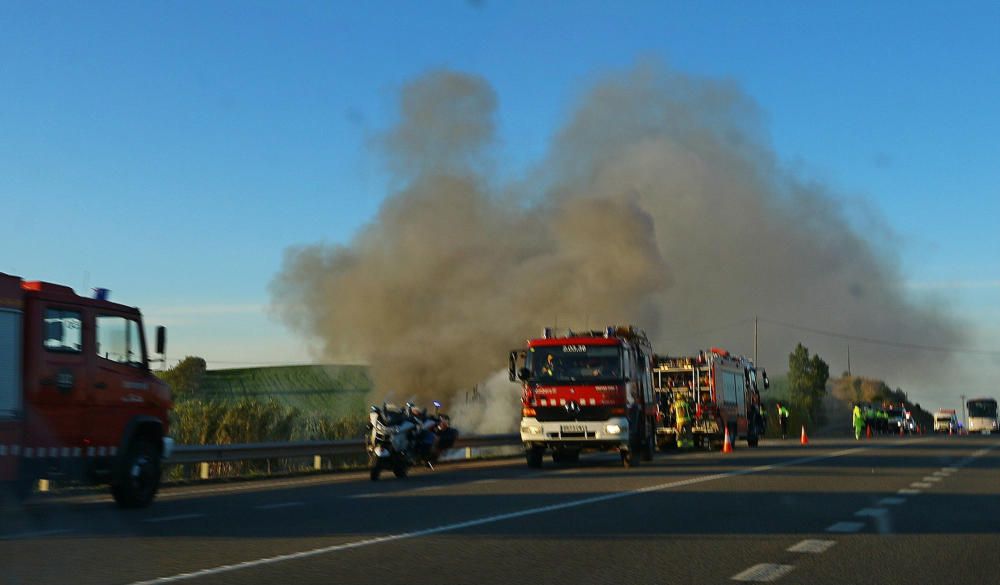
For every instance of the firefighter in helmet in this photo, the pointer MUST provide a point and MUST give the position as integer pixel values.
(682, 417)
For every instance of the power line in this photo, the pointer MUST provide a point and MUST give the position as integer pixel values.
(886, 342)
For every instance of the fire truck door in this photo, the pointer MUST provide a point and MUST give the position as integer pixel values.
(57, 382)
(121, 382)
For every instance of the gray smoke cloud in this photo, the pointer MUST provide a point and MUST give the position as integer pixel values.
(659, 203)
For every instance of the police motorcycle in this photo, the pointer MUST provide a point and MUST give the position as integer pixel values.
(399, 438)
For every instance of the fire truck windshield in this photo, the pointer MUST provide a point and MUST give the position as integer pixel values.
(577, 364)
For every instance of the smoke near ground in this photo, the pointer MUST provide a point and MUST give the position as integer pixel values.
(659, 203)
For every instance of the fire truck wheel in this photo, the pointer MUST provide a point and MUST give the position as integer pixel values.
(534, 456)
(140, 478)
(649, 448)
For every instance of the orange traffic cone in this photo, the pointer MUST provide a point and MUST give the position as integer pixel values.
(804, 440)
(727, 443)
(868, 431)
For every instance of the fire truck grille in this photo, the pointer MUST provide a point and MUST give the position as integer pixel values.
(560, 413)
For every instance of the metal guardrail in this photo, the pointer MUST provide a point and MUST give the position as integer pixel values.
(250, 451)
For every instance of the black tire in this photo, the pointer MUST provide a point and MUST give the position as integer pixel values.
(752, 441)
(649, 449)
(557, 456)
(571, 455)
(534, 457)
(400, 470)
(139, 477)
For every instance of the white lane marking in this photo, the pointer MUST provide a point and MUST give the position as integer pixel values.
(812, 546)
(949, 469)
(489, 519)
(941, 474)
(175, 517)
(921, 484)
(763, 573)
(908, 492)
(872, 512)
(36, 534)
(932, 478)
(281, 505)
(891, 501)
(845, 527)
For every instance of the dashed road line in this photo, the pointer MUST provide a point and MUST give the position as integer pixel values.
(908, 492)
(872, 512)
(812, 546)
(763, 573)
(921, 484)
(932, 478)
(891, 501)
(845, 527)
(175, 517)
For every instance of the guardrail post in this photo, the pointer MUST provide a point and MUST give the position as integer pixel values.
(317, 462)
(203, 470)
(43, 485)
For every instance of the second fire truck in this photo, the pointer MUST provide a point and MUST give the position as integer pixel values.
(586, 391)
(723, 394)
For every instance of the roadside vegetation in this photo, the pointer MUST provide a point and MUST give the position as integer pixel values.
(251, 406)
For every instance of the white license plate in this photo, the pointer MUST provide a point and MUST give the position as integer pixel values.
(573, 428)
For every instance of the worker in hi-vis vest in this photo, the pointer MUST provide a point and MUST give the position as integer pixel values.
(783, 419)
(859, 422)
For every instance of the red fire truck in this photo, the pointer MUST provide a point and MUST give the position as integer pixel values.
(586, 391)
(722, 391)
(77, 398)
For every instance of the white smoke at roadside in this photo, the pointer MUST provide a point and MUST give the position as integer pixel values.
(493, 407)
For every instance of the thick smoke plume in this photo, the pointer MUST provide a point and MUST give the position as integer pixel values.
(660, 203)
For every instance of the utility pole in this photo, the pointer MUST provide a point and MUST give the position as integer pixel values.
(965, 423)
(755, 340)
(848, 359)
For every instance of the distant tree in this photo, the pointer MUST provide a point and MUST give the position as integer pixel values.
(185, 378)
(807, 377)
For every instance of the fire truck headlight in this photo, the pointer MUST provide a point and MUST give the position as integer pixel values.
(531, 429)
(612, 429)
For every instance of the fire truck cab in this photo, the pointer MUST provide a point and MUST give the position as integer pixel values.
(723, 394)
(78, 400)
(586, 391)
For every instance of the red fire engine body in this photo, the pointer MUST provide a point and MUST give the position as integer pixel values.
(722, 391)
(77, 397)
(587, 391)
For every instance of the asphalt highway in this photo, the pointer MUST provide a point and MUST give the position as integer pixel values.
(893, 510)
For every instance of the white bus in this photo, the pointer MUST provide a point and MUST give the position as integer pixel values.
(982, 414)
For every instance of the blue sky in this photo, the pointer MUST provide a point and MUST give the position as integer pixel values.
(172, 151)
